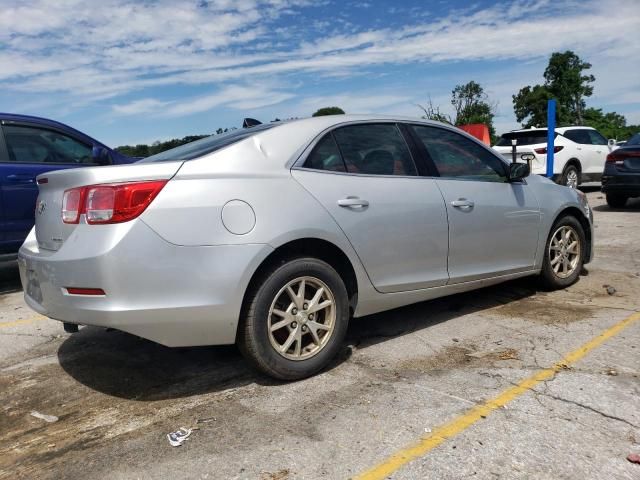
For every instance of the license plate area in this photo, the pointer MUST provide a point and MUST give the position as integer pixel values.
(632, 163)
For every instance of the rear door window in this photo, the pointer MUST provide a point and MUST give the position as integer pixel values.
(375, 149)
(578, 135)
(26, 144)
(596, 138)
(326, 156)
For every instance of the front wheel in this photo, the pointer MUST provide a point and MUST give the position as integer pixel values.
(616, 201)
(564, 253)
(295, 320)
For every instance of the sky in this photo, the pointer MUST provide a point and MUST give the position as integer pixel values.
(137, 72)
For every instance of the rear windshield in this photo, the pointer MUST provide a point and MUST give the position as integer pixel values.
(206, 145)
(530, 137)
(635, 140)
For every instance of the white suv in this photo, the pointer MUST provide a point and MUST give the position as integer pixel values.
(580, 152)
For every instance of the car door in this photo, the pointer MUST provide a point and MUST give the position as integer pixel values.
(493, 224)
(4, 247)
(30, 151)
(587, 153)
(599, 151)
(365, 177)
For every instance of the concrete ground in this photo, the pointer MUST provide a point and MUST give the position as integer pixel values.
(402, 374)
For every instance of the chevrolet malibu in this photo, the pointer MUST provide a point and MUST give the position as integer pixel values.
(273, 237)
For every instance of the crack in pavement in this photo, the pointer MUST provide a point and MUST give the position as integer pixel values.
(587, 407)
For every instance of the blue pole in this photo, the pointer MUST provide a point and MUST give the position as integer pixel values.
(551, 134)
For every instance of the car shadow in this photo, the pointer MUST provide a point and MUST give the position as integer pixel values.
(589, 188)
(123, 365)
(10, 277)
(633, 205)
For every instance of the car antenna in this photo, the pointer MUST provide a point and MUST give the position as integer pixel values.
(250, 122)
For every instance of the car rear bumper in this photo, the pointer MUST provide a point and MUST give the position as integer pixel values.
(622, 184)
(173, 295)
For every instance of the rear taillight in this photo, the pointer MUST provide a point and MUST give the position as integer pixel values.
(543, 150)
(618, 156)
(72, 205)
(112, 203)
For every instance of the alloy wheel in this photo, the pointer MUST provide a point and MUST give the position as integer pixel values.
(302, 318)
(572, 179)
(564, 251)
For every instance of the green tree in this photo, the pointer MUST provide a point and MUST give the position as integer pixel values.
(565, 81)
(568, 84)
(611, 124)
(530, 106)
(432, 112)
(157, 147)
(471, 105)
(328, 111)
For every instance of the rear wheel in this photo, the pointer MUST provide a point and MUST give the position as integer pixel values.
(616, 201)
(295, 320)
(570, 176)
(564, 253)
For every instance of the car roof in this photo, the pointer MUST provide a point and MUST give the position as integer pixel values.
(276, 142)
(47, 122)
(328, 121)
(558, 129)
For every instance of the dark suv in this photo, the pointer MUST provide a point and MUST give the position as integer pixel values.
(30, 146)
(621, 177)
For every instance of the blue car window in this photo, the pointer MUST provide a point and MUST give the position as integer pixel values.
(37, 145)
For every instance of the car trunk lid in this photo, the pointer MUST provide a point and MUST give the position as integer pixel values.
(51, 231)
(626, 159)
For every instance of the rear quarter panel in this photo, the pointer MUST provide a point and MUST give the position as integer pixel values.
(189, 210)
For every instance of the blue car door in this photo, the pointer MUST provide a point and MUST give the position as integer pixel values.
(4, 161)
(27, 151)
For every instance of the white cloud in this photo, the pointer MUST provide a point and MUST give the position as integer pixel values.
(357, 102)
(92, 51)
(245, 97)
(138, 107)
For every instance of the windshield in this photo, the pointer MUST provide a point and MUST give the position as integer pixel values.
(530, 137)
(206, 145)
(635, 140)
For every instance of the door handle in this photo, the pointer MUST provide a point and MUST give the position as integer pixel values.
(353, 202)
(21, 178)
(462, 203)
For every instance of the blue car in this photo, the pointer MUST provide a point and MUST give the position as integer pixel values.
(30, 146)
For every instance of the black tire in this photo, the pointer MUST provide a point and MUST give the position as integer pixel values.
(570, 170)
(549, 278)
(253, 332)
(616, 201)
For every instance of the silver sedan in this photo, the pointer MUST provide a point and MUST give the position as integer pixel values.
(273, 237)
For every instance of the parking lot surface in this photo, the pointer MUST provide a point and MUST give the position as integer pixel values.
(405, 387)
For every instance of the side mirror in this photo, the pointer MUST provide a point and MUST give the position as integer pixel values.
(518, 171)
(611, 143)
(100, 155)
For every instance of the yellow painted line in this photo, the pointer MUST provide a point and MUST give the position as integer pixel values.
(467, 419)
(15, 323)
